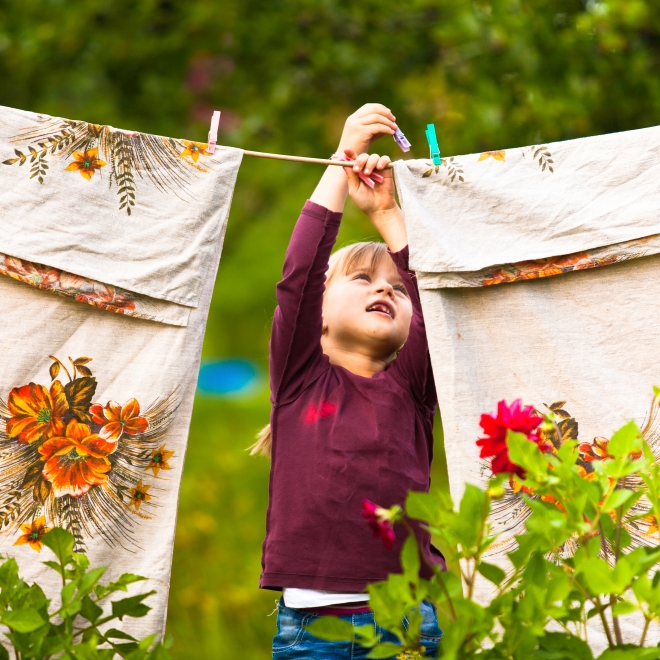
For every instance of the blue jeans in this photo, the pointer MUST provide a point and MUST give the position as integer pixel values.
(293, 641)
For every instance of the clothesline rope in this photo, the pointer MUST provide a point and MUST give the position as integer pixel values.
(304, 159)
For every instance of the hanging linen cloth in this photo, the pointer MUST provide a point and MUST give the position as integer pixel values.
(109, 246)
(538, 274)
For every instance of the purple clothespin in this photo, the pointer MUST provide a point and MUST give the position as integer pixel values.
(401, 140)
(213, 133)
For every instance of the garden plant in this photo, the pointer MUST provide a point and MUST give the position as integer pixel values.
(78, 624)
(585, 560)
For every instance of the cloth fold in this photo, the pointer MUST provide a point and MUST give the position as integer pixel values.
(503, 207)
(132, 210)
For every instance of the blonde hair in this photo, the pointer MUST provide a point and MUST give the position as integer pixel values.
(367, 255)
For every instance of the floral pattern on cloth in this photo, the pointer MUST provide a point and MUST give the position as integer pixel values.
(455, 169)
(81, 289)
(70, 462)
(167, 162)
(509, 513)
(549, 267)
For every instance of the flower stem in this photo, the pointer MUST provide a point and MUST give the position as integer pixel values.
(603, 619)
(615, 622)
(647, 621)
(477, 557)
(431, 565)
(73, 364)
(63, 367)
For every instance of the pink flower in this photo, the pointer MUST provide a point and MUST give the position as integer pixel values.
(379, 521)
(518, 418)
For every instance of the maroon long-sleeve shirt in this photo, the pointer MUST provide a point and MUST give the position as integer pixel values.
(339, 438)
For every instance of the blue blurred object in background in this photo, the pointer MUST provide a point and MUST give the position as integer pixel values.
(233, 377)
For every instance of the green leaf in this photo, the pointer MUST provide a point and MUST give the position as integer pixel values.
(113, 633)
(60, 542)
(618, 498)
(526, 454)
(630, 652)
(491, 572)
(428, 507)
(8, 575)
(365, 635)
(626, 440)
(385, 650)
(159, 652)
(90, 610)
(600, 577)
(132, 606)
(54, 565)
(4, 654)
(129, 650)
(90, 579)
(623, 607)
(562, 646)
(410, 559)
(473, 511)
(102, 591)
(331, 628)
(54, 644)
(23, 621)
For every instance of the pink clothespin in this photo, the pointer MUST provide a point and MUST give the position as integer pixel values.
(370, 179)
(213, 133)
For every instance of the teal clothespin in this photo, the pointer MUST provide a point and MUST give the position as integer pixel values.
(432, 139)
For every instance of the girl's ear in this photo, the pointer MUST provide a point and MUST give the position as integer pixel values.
(324, 329)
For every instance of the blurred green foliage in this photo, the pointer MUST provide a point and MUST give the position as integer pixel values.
(286, 73)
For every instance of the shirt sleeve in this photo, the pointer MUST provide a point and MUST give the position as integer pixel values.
(413, 363)
(295, 344)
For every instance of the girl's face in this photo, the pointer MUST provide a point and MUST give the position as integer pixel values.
(367, 311)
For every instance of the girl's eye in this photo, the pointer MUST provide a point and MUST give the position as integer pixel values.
(362, 276)
(401, 289)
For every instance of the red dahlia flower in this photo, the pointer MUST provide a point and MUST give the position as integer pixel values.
(518, 418)
(379, 521)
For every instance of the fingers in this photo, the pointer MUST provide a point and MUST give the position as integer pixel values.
(367, 163)
(360, 162)
(378, 122)
(383, 162)
(374, 108)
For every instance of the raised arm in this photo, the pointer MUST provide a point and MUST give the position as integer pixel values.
(295, 341)
(413, 363)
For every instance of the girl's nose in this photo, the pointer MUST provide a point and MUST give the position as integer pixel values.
(386, 288)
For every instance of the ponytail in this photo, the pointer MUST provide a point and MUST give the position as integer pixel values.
(263, 444)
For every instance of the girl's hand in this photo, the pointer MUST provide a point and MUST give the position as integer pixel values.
(377, 203)
(365, 125)
(378, 199)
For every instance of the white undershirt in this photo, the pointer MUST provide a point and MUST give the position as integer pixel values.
(302, 598)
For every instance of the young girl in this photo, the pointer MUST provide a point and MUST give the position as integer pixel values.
(353, 404)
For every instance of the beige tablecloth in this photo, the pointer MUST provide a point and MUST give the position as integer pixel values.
(110, 241)
(538, 270)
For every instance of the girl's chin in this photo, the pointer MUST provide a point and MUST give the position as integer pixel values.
(384, 335)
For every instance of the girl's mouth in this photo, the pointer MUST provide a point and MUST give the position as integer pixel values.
(381, 307)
